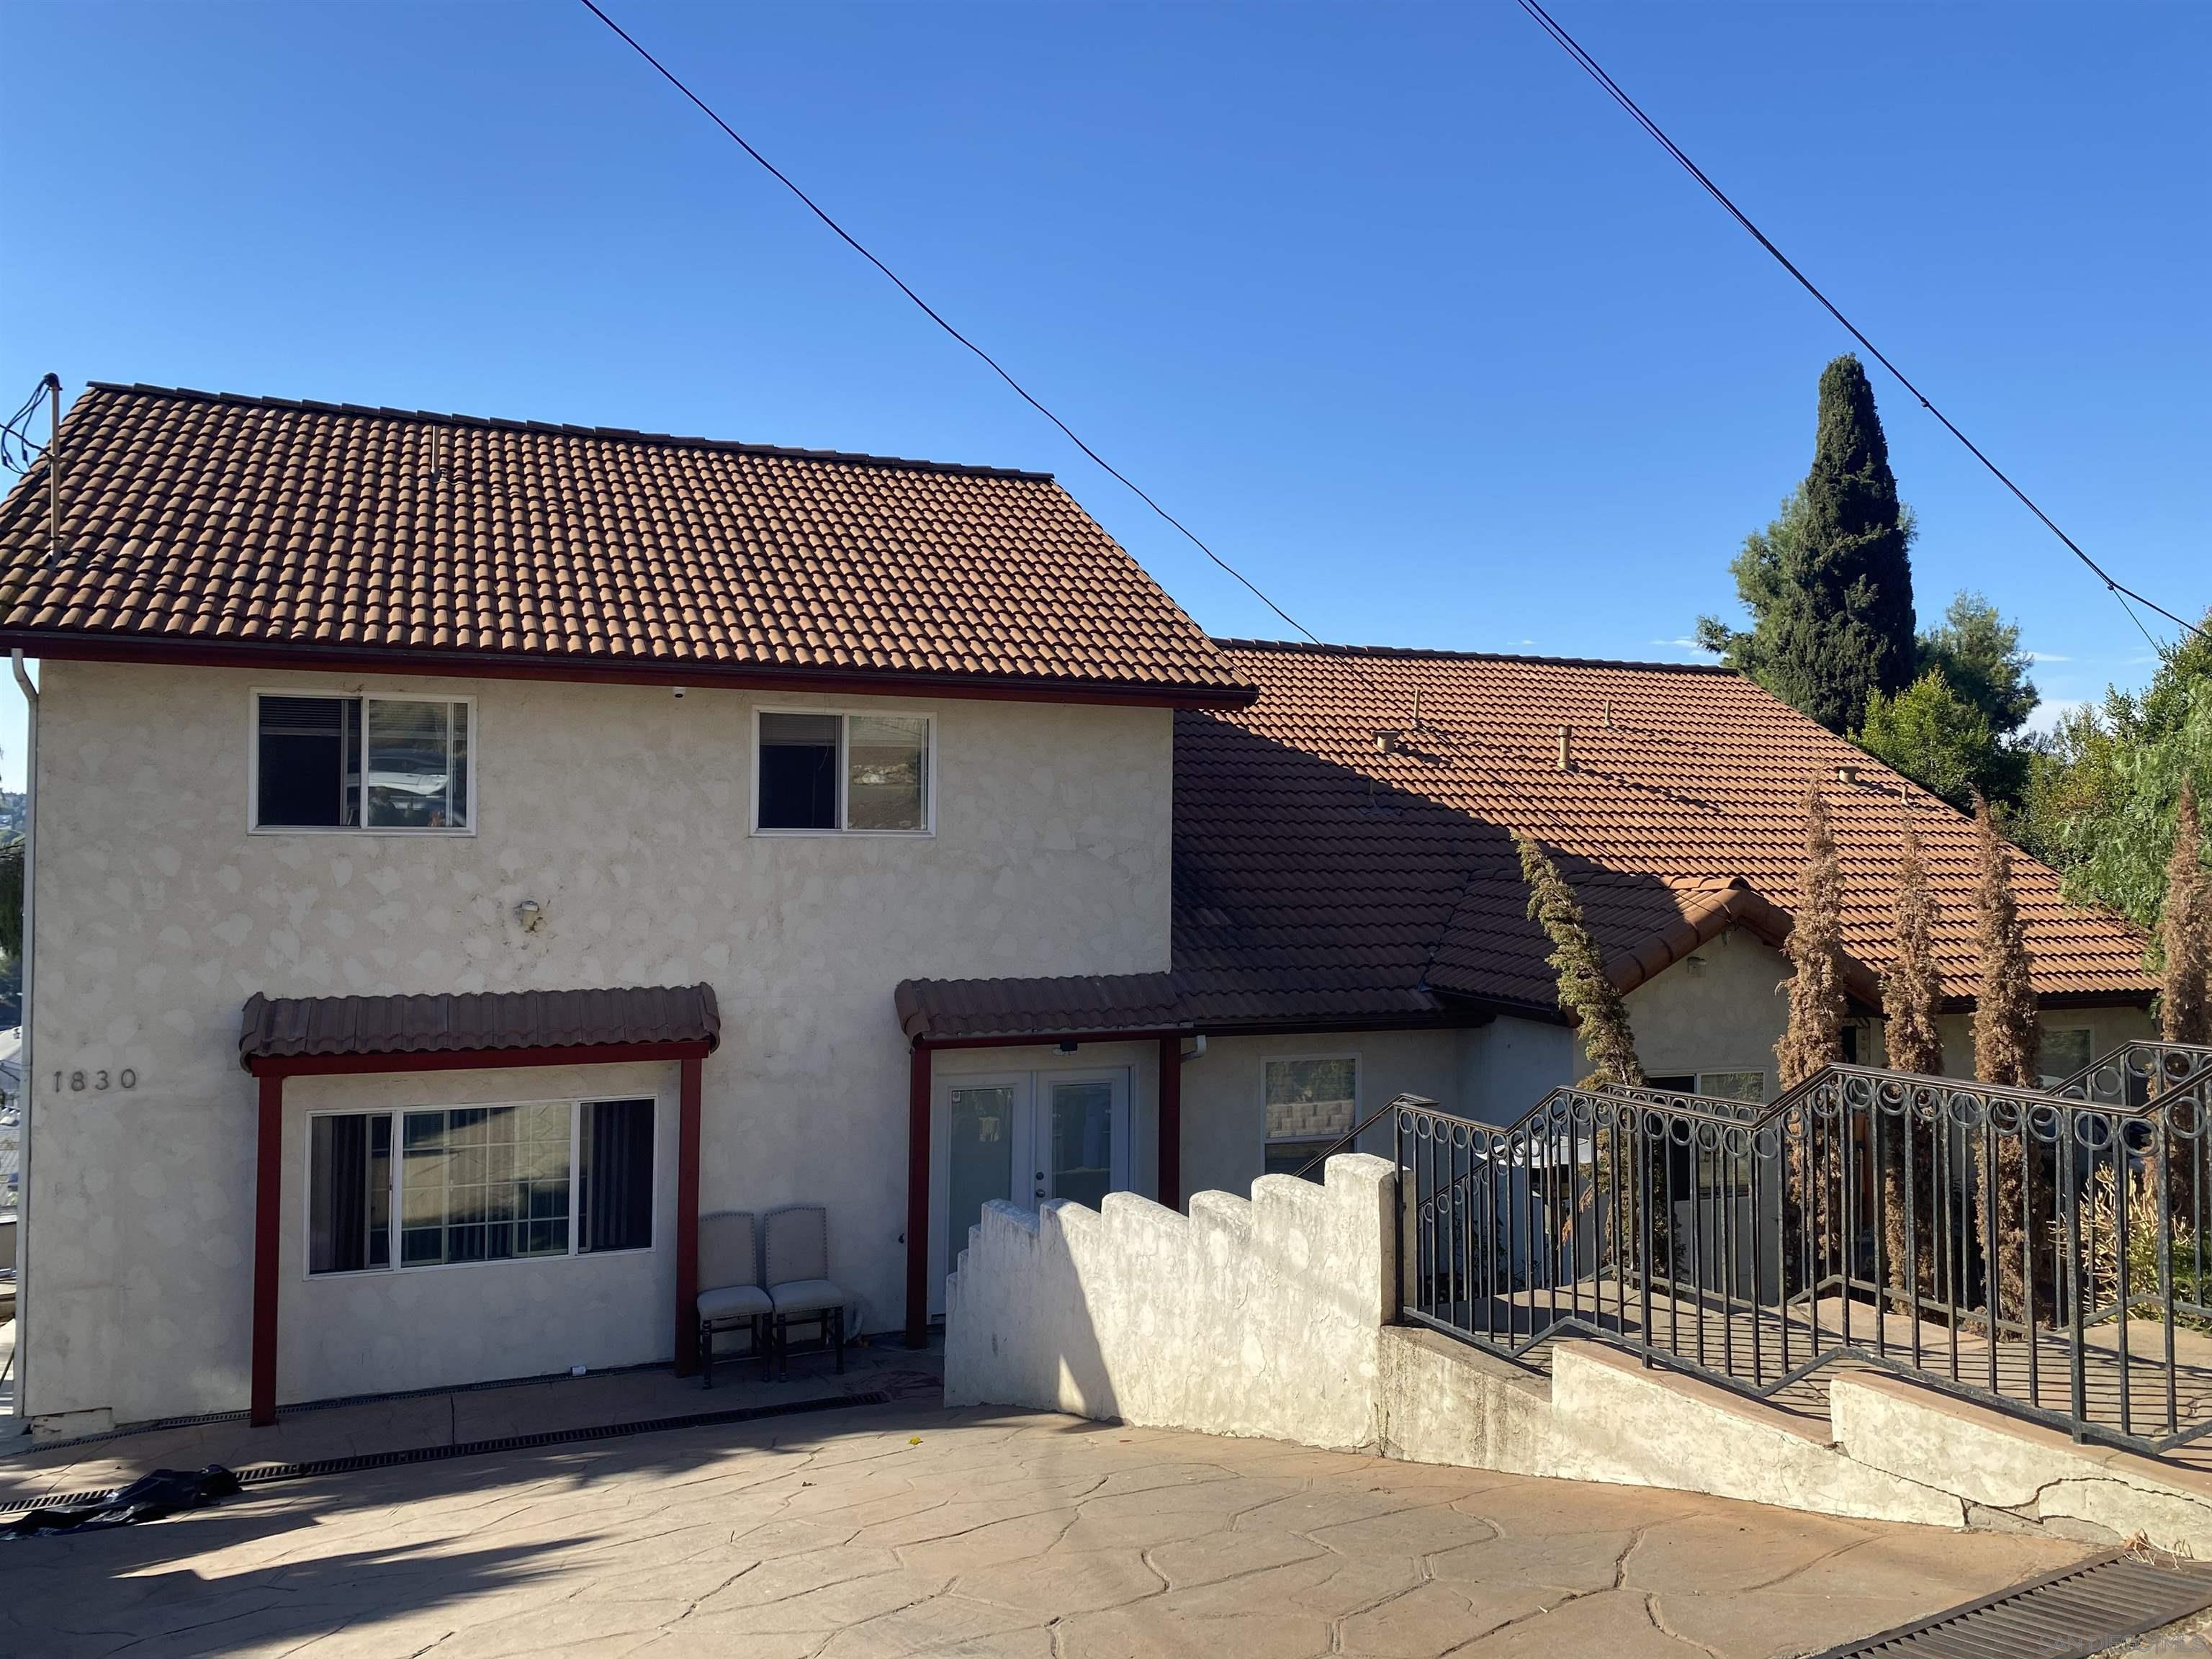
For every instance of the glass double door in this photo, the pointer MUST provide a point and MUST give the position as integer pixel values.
(1027, 1137)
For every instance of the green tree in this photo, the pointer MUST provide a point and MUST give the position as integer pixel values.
(1828, 584)
(1978, 652)
(2104, 793)
(1934, 737)
(1840, 627)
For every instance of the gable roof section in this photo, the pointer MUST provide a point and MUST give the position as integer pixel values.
(1301, 849)
(214, 527)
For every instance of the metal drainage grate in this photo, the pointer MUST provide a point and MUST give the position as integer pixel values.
(262, 1474)
(2069, 1614)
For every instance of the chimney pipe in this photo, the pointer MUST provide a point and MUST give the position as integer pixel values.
(1566, 749)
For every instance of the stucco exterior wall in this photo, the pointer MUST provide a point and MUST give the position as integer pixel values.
(1720, 1009)
(1225, 1117)
(623, 812)
(1509, 1065)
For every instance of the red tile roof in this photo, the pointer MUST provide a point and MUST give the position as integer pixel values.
(1320, 880)
(215, 523)
(1301, 846)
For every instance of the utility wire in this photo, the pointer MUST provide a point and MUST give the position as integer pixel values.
(1353, 659)
(1596, 71)
(930, 312)
(18, 454)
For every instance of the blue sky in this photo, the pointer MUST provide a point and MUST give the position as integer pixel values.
(1388, 302)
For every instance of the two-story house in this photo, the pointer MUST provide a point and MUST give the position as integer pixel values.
(464, 851)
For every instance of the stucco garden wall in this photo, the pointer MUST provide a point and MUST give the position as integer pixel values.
(1254, 1317)
(1269, 1316)
(623, 811)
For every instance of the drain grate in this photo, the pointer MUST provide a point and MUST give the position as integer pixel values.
(262, 1474)
(2069, 1614)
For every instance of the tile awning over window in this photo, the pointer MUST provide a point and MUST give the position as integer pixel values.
(285, 1028)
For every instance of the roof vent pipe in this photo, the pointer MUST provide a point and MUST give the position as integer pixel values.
(1566, 749)
(1847, 774)
(53, 384)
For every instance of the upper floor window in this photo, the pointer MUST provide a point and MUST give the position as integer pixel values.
(329, 762)
(866, 774)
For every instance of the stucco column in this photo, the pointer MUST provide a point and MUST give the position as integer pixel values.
(1172, 1122)
(268, 1233)
(917, 1198)
(687, 1216)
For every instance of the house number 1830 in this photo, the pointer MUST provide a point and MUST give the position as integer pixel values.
(78, 1082)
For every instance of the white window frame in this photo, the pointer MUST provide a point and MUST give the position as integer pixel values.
(397, 1114)
(1698, 1080)
(1359, 1090)
(843, 717)
(253, 825)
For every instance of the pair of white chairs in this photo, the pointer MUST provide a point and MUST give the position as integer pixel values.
(765, 1278)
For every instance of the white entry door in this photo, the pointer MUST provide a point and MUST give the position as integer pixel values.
(1024, 1137)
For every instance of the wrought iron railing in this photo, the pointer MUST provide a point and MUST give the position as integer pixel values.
(2043, 1250)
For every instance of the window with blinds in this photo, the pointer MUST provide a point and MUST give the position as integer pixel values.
(361, 763)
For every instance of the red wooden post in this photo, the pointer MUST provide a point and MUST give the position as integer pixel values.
(917, 1198)
(687, 1217)
(268, 1234)
(1172, 1122)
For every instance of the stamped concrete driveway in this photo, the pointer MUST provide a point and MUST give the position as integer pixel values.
(907, 1529)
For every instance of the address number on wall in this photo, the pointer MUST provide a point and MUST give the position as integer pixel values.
(78, 1082)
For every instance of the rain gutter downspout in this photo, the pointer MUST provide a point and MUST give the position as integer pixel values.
(23, 1054)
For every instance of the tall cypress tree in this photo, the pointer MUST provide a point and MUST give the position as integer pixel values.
(1842, 625)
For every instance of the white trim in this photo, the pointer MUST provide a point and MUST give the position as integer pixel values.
(397, 1114)
(1358, 1086)
(364, 696)
(843, 716)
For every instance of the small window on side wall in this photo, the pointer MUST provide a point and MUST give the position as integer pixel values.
(1311, 1103)
(361, 763)
(857, 773)
(2065, 1051)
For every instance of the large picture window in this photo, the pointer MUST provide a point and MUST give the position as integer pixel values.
(329, 763)
(856, 773)
(478, 1183)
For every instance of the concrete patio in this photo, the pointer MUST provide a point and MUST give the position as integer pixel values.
(437, 1418)
(907, 1529)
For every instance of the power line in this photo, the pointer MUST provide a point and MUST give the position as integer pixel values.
(930, 312)
(1596, 72)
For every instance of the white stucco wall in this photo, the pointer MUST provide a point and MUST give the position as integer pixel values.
(623, 812)
(1509, 1065)
(1258, 1317)
(1719, 1009)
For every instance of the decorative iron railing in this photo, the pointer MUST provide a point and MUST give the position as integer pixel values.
(2042, 1250)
